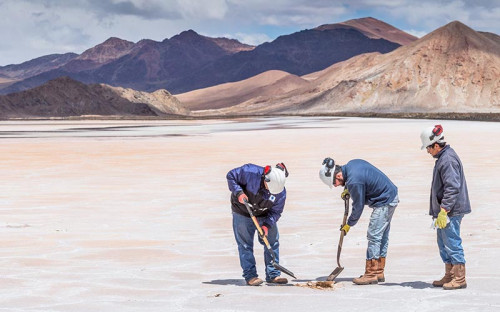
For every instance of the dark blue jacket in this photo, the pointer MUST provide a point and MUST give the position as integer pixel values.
(249, 179)
(449, 189)
(367, 186)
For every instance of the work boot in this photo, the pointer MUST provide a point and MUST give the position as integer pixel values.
(278, 280)
(381, 267)
(458, 280)
(254, 281)
(370, 276)
(380, 274)
(446, 278)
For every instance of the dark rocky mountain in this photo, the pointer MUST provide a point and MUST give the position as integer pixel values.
(65, 97)
(79, 67)
(147, 65)
(190, 61)
(154, 65)
(36, 66)
(299, 53)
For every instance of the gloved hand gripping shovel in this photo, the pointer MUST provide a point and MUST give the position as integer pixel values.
(340, 268)
(266, 242)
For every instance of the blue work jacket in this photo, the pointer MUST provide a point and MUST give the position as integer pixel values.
(367, 186)
(449, 188)
(249, 179)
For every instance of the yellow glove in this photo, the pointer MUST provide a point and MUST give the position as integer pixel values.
(344, 193)
(345, 228)
(442, 219)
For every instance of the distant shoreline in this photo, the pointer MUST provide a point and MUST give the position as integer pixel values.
(494, 117)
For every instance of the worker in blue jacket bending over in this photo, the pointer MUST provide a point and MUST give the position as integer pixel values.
(366, 185)
(264, 189)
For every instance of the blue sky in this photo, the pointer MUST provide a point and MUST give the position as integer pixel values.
(33, 28)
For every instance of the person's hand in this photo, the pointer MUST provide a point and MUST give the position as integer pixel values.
(345, 228)
(344, 194)
(442, 219)
(242, 198)
(265, 230)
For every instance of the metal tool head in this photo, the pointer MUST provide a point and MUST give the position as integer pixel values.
(283, 269)
(334, 274)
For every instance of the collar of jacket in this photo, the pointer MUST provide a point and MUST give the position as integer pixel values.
(344, 174)
(447, 146)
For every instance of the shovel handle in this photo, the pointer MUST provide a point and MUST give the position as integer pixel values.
(255, 222)
(342, 233)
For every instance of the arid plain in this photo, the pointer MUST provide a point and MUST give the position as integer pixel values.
(135, 216)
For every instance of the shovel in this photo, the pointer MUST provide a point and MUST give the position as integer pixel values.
(340, 268)
(266, 242)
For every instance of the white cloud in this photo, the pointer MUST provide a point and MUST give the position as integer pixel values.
(215, 9)
(285, 13)
(416, 33)
(252, 39)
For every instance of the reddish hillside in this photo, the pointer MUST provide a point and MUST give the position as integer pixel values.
(374, 28)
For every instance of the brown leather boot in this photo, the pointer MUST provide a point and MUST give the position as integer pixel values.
(370, 277)
(278, 280)
(254, 281)
(446, 278)
(381, 267)
(458, 281)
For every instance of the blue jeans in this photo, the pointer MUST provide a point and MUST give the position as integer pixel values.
(378, 230)
(244, 232)
(450, 243)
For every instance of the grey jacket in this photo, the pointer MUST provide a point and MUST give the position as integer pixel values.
(449, 189)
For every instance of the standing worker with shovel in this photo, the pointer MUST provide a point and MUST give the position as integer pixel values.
(262, 189)
(366, 185)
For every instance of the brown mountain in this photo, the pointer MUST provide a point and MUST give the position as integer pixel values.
(375, 29)
(231, 45)
(65, 97)
(10, 74)
(452, 69)
(267, 84)
(108, 51)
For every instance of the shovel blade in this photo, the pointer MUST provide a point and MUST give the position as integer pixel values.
(335, 273)
(283, 269)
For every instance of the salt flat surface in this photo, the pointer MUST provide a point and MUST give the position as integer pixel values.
(135, 216)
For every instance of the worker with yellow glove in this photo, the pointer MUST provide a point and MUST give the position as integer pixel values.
(449, 202)
(366, 185)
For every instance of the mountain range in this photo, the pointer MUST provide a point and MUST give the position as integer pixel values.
(190, 61)
(452, 69)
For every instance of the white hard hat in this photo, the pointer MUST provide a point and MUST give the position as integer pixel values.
(431, 135)
(327, 171)
(275, 178)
